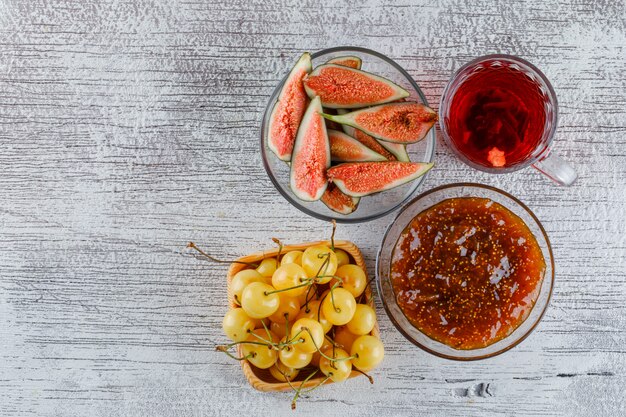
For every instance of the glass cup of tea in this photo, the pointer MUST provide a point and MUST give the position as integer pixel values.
(499, 114)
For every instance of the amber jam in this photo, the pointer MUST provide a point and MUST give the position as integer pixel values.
(467, 272)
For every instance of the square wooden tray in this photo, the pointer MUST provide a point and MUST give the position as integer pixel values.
(261, 379)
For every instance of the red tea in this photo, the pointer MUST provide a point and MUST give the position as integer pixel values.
(497, 117)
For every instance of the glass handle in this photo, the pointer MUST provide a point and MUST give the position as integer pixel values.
(556, 169)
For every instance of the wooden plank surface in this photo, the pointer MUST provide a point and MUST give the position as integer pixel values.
(128, 128)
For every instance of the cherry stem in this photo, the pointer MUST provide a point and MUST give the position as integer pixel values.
(332, 235)
(295, 337)
(368, 284)
(262, 339)
(347, 358)
(368, 377)
(288, 341)
(287, 329)
(249, 342)
(306, 329)
(299, 390)
(332, 362)
(338, 278)
(275, 345)
(286, 377)
(306, 299)
(319, 312)
(224, 349)
(324, 264)
(243, 358)
(322, 382)
(287, 289)
(280, 246)
(193, 246)
(267, 331)
(332, 342)
(288, 381)
(332, 297)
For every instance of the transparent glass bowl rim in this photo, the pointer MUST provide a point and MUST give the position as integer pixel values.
(429, 156)
(505, 348)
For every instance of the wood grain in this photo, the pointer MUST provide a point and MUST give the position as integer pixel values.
(128, 128)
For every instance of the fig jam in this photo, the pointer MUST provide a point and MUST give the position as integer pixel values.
(497, 117)
(467, 272)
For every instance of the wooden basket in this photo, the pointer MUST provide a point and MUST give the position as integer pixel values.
(261, 379)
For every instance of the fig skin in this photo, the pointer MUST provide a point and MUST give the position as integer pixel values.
(358, 179)
(289, 110)
(347, 61)
(344, 148)
(339, 202)
(342, 87)
(404, 123)
(311, 155)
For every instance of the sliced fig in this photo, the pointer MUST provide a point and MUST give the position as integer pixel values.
(395, 122)
(344, 61)
(347, 61)
(358, 179)
(288, 110)
(373, 144)
(366, 139)
(342, 87)
(311, 155)
(330, 124)
(337, 201)
(397, 149)
(344, 148)
(348, 130)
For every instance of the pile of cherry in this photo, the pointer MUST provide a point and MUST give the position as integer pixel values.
(303, 312)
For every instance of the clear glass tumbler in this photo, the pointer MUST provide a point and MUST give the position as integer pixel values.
(487, 68)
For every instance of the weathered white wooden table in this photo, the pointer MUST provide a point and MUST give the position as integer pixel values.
(128, 128)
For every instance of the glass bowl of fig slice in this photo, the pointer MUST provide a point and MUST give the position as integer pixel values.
(347, 135)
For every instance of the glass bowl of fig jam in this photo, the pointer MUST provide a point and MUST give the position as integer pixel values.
(465, 271)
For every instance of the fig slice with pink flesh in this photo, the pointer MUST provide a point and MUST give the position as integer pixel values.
(288, 110)
(344, 148)
(341, 87)
(358, 179)
(394, 122)
(391, 151)
(396, 149)
(330, 124)
(311, 155)
(347, 61)
(339, 202)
